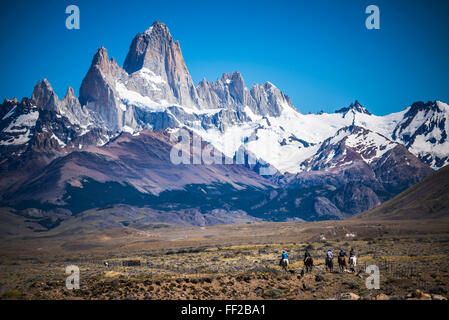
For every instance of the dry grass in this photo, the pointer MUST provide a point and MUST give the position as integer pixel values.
(228, 262)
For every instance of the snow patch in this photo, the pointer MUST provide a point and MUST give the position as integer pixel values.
(22, 122)
(10, 113)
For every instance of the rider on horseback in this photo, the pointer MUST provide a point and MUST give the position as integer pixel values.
(342, 260)
(284, 256)
(284, 260)
(308, 261)
(352, 260)
(329, 255)
(307, 255)
(351, 253)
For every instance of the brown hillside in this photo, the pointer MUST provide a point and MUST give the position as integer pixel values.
(426, 199)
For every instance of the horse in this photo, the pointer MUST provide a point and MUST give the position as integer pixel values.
(353, 263)
(284, 264)
(329, 264)
(342, 263)
(308, 263)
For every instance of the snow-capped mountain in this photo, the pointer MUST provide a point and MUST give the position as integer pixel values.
(367, 145)
(154, 90)
(353, 171)
(350, 151)
(423, 130)
(388, 162)
(18, 123)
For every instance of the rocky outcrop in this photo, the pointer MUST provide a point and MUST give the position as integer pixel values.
(72, 109)
(44, 96)
(7, 107)
(398, 169)
(231, 92)
(426, 199)
(269, 100)
(156, 51)
(46, 99)
(98, 92)
(355, 107)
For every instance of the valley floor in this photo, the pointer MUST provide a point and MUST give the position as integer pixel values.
(230, 262)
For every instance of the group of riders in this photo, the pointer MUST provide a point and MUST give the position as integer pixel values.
(308, 260)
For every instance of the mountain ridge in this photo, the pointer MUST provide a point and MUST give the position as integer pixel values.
(331, 165)
(117, 105)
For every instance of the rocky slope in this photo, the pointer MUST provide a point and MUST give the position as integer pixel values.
(426, 199)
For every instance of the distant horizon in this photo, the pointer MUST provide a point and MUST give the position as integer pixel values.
(320, 55)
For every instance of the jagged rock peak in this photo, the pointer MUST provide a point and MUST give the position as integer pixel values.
(156, 51)
(101, 60)
(44, 96)
(356, 107)
(100, 55)
(232, 76)
(203, 83)
(11, 101)
(70, 94)
(99, 80)
(430, 105)
(352, 129)
(43, 84)
(150, 49)
(159, 29)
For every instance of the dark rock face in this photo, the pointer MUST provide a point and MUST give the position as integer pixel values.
(356, 107)
(17, 122)
(415, 108)
(424, 200)
(398, 170)
(7, 106)
(325, 208)
(354, 198)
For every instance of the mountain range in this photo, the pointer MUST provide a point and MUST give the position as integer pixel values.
(110, 147)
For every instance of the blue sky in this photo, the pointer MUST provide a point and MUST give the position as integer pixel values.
(317, 52)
